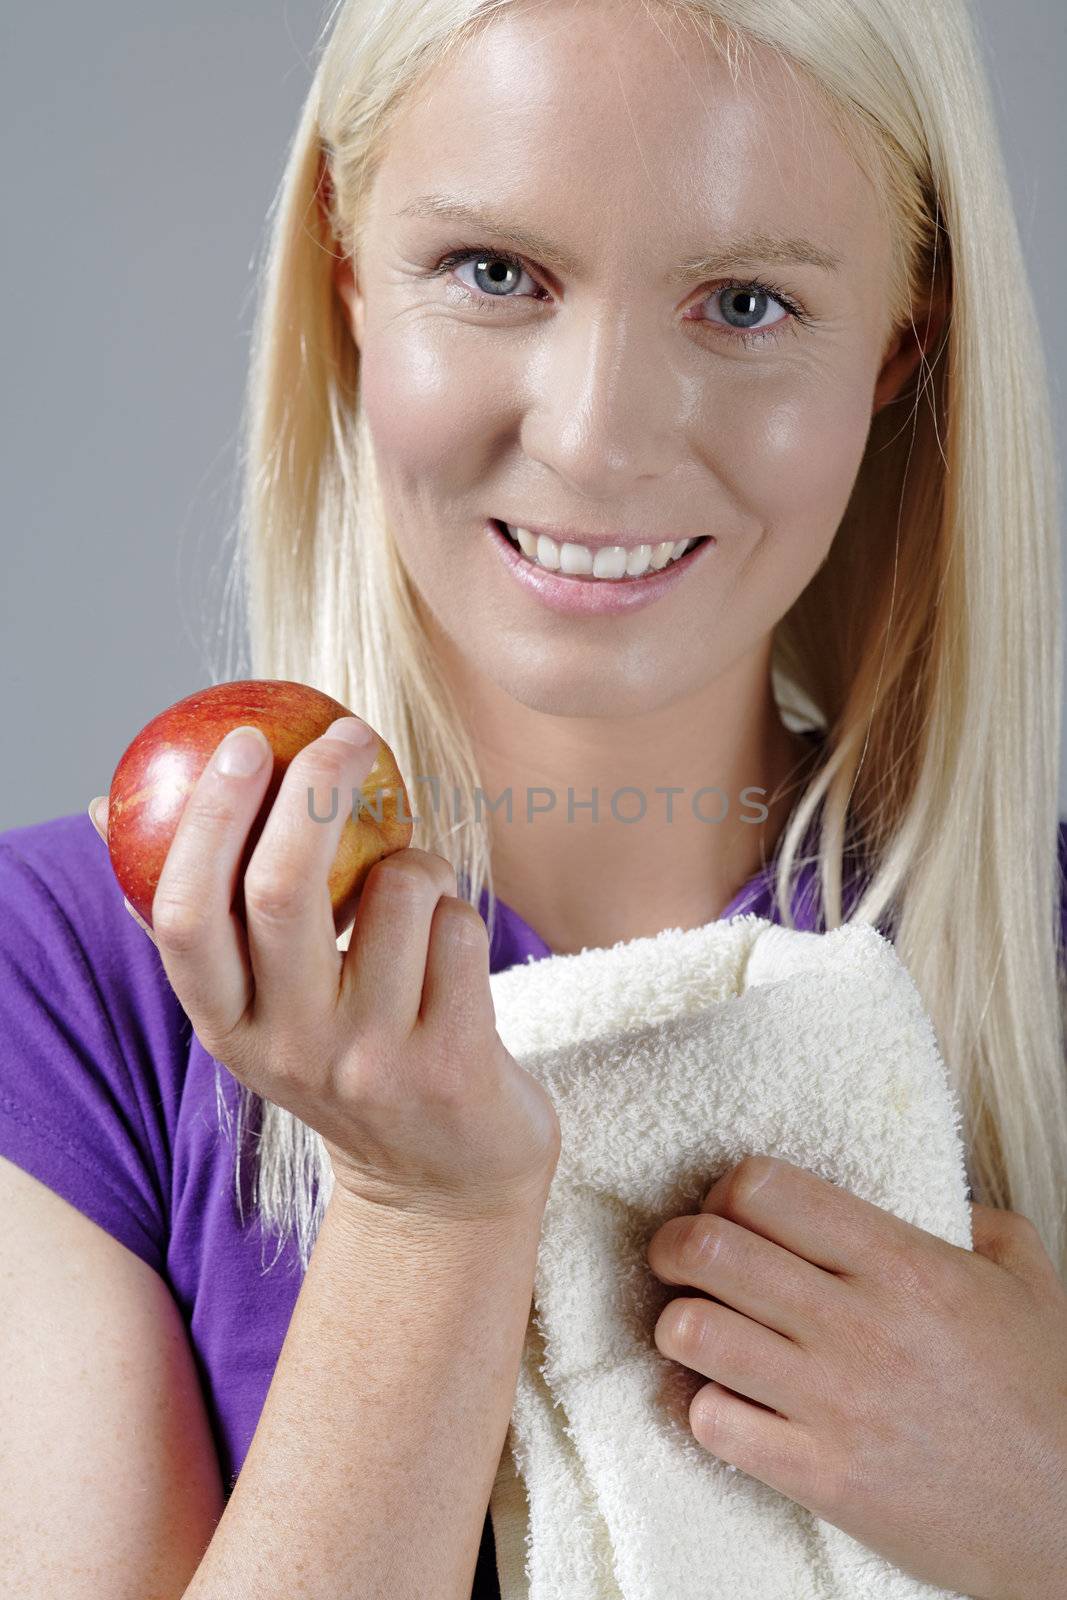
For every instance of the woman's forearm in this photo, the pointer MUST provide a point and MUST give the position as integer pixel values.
(371, 1468)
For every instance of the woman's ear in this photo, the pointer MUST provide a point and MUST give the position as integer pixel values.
(344, 276)
(905, 352)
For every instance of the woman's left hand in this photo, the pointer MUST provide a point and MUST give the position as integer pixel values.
(917, 1391)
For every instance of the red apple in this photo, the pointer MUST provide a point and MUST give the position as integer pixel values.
(153, 780)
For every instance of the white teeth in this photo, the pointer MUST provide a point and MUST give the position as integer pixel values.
(547, 552)
(613, 561)
(527, 542)
(609, 563)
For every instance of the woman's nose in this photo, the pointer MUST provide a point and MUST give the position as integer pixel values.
(608, 407)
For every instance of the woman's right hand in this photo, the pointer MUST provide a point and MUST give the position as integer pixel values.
(388, 1050)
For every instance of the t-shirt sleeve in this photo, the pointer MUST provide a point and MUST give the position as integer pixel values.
(87, 1020)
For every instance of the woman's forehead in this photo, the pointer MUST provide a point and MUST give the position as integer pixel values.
(644, 136)
(578, 67)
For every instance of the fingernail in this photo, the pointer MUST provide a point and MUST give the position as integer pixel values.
(91, 809)
(242, 752)
(141, 923)
(353, 731)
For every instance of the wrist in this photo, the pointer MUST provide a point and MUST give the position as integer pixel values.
(438, 1217)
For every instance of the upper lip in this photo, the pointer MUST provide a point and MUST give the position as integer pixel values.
(602, 541)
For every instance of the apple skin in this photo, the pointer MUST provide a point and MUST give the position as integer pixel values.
(158, 770)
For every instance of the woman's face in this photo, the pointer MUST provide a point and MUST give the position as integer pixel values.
(598, 384)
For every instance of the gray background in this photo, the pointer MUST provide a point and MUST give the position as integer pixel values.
(143, 144)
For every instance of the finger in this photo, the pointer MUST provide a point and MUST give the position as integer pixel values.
(292, 939)
(199, 936)
(762, 1280)
(827, 1225)
(780, 1453)
(456, 996)
(97, 809)
(385, 964)
(141, 923)
(722, 1344)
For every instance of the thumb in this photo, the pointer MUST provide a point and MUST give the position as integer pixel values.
(97, 809)
(1007, 1238)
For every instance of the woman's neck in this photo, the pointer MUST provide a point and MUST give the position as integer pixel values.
(697, 776)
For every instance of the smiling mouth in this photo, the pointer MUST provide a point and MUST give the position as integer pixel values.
(577, 561)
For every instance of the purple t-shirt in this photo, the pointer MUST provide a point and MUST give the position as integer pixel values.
(107, 1096)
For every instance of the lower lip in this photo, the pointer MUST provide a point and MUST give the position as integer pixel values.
(586, 596)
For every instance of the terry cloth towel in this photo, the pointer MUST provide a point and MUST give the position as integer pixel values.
(669, 1059)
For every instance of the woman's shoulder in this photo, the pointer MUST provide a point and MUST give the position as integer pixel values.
(60, 897)
(65, 855)
(95, 1042)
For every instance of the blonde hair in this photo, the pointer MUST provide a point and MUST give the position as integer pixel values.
(928, 643)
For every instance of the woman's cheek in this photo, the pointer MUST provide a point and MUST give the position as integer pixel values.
(426, 401)
(804, 457)
(788, 473)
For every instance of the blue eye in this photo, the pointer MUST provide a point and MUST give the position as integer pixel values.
(501, 272)
(756, 291)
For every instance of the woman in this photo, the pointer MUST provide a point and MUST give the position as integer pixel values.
(557, 287)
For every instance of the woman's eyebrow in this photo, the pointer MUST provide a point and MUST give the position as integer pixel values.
(755, 248)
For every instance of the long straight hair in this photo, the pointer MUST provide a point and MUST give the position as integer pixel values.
(927, 645)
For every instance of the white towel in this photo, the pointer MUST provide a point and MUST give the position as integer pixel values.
(669, 1059)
